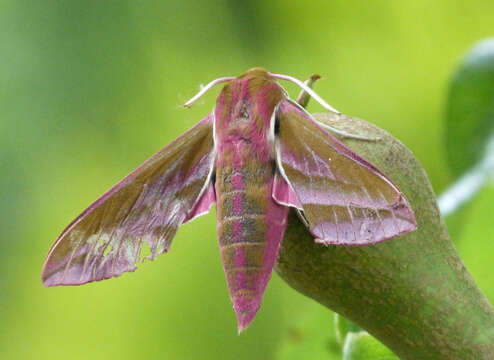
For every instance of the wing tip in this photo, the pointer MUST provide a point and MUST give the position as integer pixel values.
(54, 280)
(52, 283)
(412, 226)
(66, 278)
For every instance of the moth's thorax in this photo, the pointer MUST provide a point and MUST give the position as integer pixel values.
(244, 107)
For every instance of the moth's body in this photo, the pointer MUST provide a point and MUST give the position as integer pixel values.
(234, 157)
(251, 224)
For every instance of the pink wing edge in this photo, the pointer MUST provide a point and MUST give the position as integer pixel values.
(205, 201)
(202, 207)
(284, 194)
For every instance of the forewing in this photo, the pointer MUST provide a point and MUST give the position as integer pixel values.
(145, 209)
(344, 199)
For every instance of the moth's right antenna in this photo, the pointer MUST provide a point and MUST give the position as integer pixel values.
(206, 88)
(307, 89)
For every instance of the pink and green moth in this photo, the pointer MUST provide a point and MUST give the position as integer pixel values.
(257, 154)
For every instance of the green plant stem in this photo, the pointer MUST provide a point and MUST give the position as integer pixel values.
(412, 292)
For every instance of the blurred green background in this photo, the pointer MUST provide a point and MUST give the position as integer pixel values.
(90, 89)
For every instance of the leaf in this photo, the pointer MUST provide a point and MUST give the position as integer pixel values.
(343, 327)
(358, 344)
(362, 346)
(470, 108)
(469, 131)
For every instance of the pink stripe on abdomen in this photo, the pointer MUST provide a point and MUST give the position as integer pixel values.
(251, 226)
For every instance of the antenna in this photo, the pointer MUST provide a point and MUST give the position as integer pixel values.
(307, 89)
(206, 88)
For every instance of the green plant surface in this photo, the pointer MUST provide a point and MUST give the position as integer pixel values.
(412, 292)
(91, 89)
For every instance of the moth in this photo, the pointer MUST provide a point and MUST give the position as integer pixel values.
(257, 154)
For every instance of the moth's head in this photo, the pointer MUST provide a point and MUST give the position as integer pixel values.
(257, 72)
(258, 78)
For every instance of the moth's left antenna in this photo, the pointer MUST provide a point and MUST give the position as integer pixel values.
(206, 88)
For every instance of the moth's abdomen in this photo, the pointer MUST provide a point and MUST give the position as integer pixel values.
(250, 228)
(242, 233)
(250, 224)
